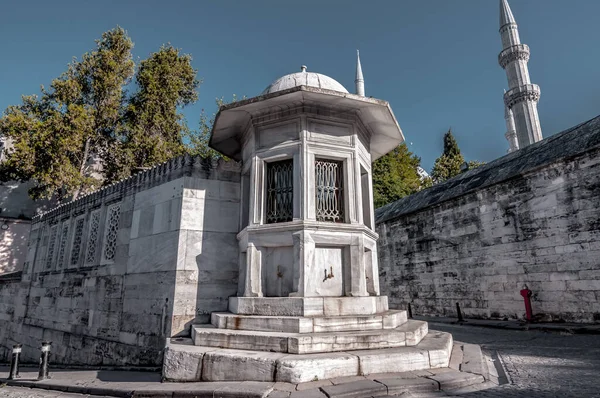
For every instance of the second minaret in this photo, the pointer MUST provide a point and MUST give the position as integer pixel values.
(522, 96)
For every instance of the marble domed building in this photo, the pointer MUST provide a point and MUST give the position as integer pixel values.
(308, 303)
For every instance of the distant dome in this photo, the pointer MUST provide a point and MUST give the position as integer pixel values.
(304, 78)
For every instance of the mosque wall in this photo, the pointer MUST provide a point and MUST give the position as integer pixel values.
(531, 218)
(109, 277)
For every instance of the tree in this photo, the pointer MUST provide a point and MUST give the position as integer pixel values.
(449, 164)
(395, 176)
(86, 114)
(51, 138)
(153, 125)
(197, 141)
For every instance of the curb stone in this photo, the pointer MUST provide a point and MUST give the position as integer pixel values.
(516, 325)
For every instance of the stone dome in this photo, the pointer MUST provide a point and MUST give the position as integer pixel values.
(304, 78)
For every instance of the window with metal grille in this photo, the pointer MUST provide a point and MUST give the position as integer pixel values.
(280, 191)
(329, 181)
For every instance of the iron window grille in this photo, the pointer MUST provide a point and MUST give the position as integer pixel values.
(280, 191)
(329, 181)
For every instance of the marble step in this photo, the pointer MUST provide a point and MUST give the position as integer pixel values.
(388, 320)
(408, 334)
(308, 306)
(186, 362)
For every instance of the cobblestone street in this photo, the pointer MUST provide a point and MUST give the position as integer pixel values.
(537, 364)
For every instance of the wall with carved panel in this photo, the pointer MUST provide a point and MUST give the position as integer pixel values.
(109, 277)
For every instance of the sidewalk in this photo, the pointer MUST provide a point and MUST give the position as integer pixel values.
(571, 328)
(469, 369)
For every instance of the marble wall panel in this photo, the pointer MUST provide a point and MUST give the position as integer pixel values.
(153, 253)
(280, 133)
(325, 275)
(162, 193)
(278, 273)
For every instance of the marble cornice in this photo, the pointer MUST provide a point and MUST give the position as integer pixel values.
(307, 225)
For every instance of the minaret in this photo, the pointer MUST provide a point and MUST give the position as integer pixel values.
(522, 96)
(359, 81)
(511, 132)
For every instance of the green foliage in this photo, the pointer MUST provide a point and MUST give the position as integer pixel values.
(153, 127)
(449, 164)
(87, 114)
(197, 141)
(52, 138)
(473, 164)
(395, 176)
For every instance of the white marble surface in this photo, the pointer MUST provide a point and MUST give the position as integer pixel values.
(239, 365)
(303, 368)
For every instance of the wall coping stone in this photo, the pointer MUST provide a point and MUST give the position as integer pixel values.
(568, 144)
(159, 174)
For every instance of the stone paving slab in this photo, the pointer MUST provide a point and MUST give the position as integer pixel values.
(455, 379)
(355, 389)
(398, 386)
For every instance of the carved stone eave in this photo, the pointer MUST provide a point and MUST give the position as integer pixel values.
(375, 115)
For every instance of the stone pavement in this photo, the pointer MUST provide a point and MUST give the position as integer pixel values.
(537, 363)
(468, 368)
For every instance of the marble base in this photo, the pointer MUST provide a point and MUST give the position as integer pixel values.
(308, 306)
(409, 333)
(388, 320)
(218, 364)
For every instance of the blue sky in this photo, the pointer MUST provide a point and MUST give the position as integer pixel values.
(435, 61)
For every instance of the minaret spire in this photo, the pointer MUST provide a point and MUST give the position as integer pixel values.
(522, 96)
(359, 81)
(506, 15)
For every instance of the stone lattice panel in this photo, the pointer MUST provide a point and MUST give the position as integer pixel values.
(90, 254)
(77, 238)
(64, 235)
(51, 246)
(113, 216)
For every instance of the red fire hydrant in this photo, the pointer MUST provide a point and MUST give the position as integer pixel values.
(526, 293)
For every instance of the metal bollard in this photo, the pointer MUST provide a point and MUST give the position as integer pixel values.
(14, 362)
(44, 357)
(459, 313)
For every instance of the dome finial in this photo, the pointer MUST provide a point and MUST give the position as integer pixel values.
(303, 68)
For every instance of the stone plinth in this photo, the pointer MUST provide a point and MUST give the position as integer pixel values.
(295, 339)
(218, 364)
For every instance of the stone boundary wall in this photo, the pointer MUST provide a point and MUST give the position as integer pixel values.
(531, 218)
(106, 277)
